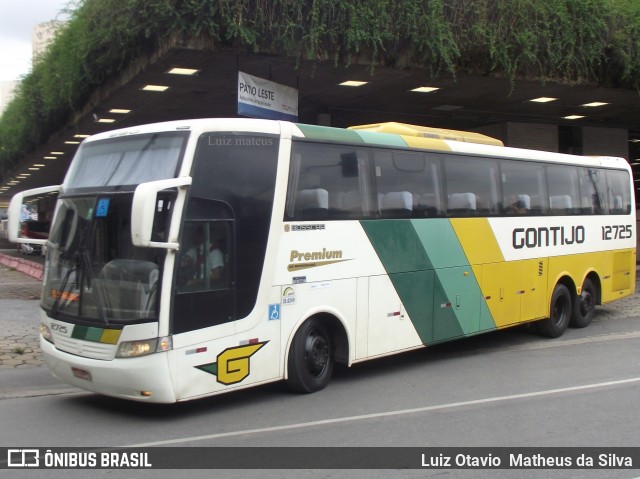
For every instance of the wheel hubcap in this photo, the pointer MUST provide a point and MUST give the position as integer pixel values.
(586, 302)
(559, 309)
(316, 353)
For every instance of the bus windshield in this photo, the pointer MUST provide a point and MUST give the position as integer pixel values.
(94, 273)
(128, 160)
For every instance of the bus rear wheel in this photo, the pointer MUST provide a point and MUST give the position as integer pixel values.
(559, 313)
(585, 305)
(310, 362)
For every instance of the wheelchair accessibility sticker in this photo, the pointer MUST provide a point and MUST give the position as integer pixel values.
(274, 312)
(233, 365)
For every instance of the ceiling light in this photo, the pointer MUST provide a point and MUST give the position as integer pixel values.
(543, 99)
(24, 175)
(595, 103)
(572, 117)
(69, 142)
(183, 71)
(425, 89)
(155, 88)
(34, 169)
(49, 157)
(106, 120)
(119, 111)
(39, 165)
(56, 152)
(13, 182)
(81, 136)
(353, 83)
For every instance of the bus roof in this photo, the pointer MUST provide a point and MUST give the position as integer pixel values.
(404, 129)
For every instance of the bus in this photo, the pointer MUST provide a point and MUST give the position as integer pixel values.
(191, 258)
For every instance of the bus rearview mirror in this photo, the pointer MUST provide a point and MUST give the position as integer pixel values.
(15, 213)
(145, 200)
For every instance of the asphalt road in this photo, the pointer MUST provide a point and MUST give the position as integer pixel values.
(510, 388)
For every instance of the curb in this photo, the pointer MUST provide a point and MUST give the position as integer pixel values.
(30, 268)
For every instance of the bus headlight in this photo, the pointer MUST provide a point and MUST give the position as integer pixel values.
(135, 349)
(45, 332)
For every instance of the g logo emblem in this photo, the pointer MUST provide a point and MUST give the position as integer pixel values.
(233, 365)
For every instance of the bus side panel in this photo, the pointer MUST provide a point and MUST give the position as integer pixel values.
(615, 269)
(502, 285)
(390, 328)
(421, 256)
(300, 301)
(206, 366)
(457, 304)
(619, 275)
(515, 291)
(535, 298)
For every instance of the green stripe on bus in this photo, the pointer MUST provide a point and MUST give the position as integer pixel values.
(96, 335)
(382, 139)
(397, 245)
(432, 277)
(79, 332)
(323, 133)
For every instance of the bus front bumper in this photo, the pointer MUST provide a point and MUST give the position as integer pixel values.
(144, 379)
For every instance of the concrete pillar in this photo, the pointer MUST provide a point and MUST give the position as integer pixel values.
(605, 141)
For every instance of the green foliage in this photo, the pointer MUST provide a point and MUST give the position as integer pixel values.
(562, 40)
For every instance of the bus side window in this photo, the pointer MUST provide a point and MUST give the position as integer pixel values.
(523, 188)
(592, 191)
(564, 198)
(407, 184)
(312, 203)
(325, 182)
(618, 194)
(472, 186)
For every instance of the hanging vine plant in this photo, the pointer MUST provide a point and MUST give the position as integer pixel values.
(596, 41)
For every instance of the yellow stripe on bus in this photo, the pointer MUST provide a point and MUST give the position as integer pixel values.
(477, 240)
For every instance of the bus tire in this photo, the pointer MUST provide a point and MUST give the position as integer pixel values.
(559, 313)
(584, 306)
(310, 362)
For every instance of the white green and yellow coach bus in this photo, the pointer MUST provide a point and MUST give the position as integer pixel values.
(192, 258)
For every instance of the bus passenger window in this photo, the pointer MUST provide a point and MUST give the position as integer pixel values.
(326, 182)
(472, 186)
(312, 203)
(592, 191)
(523, 188)
(618, 192)
(564, 198)
(407, 184)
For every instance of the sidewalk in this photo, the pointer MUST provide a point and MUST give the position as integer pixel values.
(19, 311)
(31, 265)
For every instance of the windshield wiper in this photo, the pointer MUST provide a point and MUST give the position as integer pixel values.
(84, 272)
(63, 286)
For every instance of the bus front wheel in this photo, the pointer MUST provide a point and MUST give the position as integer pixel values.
(310, 362)
(559, 313)
(585, 305)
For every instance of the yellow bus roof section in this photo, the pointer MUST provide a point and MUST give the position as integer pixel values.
(404, 130)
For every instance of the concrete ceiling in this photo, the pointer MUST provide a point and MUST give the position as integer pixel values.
(467, 102)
